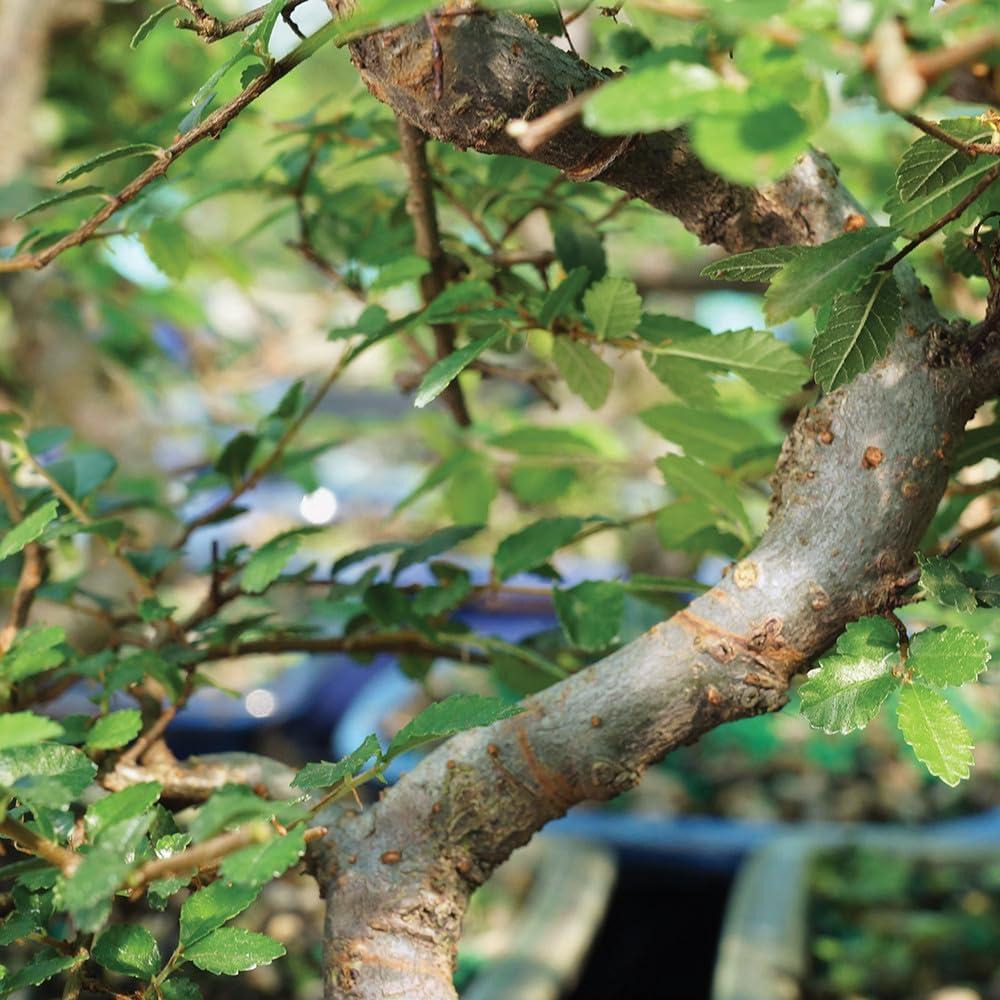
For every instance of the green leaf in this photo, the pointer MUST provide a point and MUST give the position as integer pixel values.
(591, 613)
(537, 484)
(445, 718)
(25, 729)
(33, 652)
(708, 435)
(59, 198)
(179, 988)
(533, 545)
(860, 331)
(579, 246)
(400, 271)
(929, 164)
(231, 950)
(445, 371)
(847, 690)
(40, 969)
(457, 302)
(820, 273)
(228, 807)
(260, 863)
(71, 770)
(208, 909)
(923, 210)
(754, 265)
(267, 563)
(442, 540)
(168, 247)
(948, 656)
(614, 306)
(114, 730)
(686, 476)
(29, 529)
(120, 806)
(943, 581)
(554, 441)
(325, 775)
(121, 153)
(151, 22)
(585, 373)
(654, 97)
(235, 458)
(83, 472)
(471, 490)
(769, 365)
(979, 443)
(936, 733)
(563, 298)
(129, 949)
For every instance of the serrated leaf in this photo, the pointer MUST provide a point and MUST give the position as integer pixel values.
(231, 950)
(121, 153)
(769, 365)
(29, 529)
(943, 581)
(936, 733)
(846, 691)
(129, 949)
(860, 331)
(260, 863)
(948, 656)
(114, 730)
(442, 540)
(754, 265)
(445, 371)
(820, 273)
(151, 22)
(533, 545)
(325, 775)
(457, 302)
(70, 768)
(708, 435)
(19, 729)
(585, 373)
(445, 718)
(268, 562)
(40, 969)
(58, 199)
(591, 613)
(564, 296)
(179, 988)
(33, 652)
(929, 163)
(228, 807)
(208, 909)
(614, 306)
(119, 806)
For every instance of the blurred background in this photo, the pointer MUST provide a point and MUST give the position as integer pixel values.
(229, 282)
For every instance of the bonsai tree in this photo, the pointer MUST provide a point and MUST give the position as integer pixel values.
(484, 214)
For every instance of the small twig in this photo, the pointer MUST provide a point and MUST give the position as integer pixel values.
(931, 65)
(925, 234)
(33, 569)
(26, 840)
(250, 481)
(971, 149)
(532, 134)
(970, 535)
(212, 29)
(901, 634)
(423, 212)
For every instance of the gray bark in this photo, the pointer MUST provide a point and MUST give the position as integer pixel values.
(839, 545)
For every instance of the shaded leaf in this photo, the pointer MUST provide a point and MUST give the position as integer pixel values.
(129, 949)
(614, 306)
(754, 265)
(121, 153)
(591, 613)
(533, 545)
(585, 373)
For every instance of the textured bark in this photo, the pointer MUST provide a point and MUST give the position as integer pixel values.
(840, 542)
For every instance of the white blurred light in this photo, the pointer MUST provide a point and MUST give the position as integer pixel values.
(260, 703)
(320, 506)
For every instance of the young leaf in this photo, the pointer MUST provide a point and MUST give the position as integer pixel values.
(819, 273)
(229, 951)
(445, 718)
(533, 545)
(151, 22)
(114, 730)
(936, 733)
(847, 690)
(57, 199)
(591, 613)
(208, 909)
(445, 371)
(585, 373)
(754, 265)
(948, 656)
(614, 306)
(121, 153)
(29, 529)
(20, 729)
(943, 581)
(129, 949)
(859, 332)
(929, 163)
(325, 775)
(33, 652)
(260, 863)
